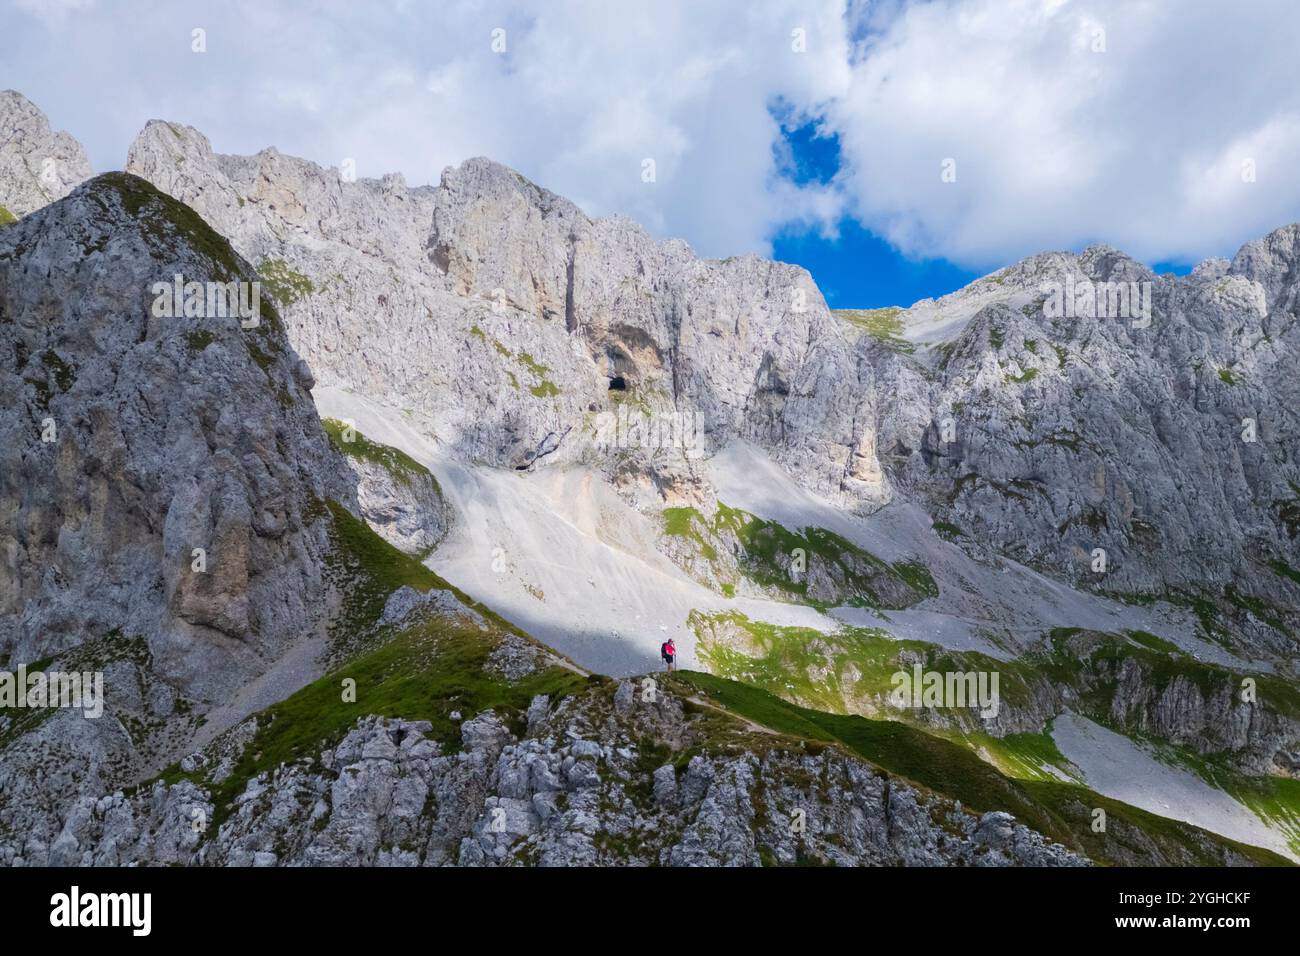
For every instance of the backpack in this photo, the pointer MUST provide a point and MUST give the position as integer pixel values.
(666, 649)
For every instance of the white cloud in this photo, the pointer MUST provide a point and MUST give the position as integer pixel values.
(586, 90)
(1057, 144)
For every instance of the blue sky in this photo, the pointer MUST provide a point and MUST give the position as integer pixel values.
(853, 267)
(813, 131)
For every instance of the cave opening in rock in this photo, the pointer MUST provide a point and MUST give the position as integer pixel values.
(617, 383)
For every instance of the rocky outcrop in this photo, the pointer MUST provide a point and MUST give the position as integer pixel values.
(399, 498)
(578, 787)
(167, 493)
(37, 165)
(411, 515)
(529, 332)
(736, 552)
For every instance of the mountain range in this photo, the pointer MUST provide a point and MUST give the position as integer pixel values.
(380, 575)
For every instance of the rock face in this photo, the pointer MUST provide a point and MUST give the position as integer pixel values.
(1169, 446)
(161, 481)
(164, 489)
(520, 333)
(527, 329)
(139, 439)
(533, 335)
(37, 165)
(411, 515)
(575, 789)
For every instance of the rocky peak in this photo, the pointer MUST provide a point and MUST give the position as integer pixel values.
(141, 433)
(1273, 262)
(266, 200)
(37, 165)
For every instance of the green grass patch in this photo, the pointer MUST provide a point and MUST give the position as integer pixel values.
(1023, 756)
(284, 284)
(1090, 665)
(947, 530)
(846, 671)
(687, 523)
(542, 387)
(881, 324)
(918, 577)
(367, 569)
(770, 555)
(165, 220)
(397, 463)
(424, 673)
(199, 340)
(1284, 570)
(528, 362)
(63, 373)
(1154, 643)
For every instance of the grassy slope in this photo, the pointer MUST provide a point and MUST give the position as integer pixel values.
(768, 547)
(423, 673)
(809, 668)
(426, 671)
(1061, 811)
(1025, 786)
(400, 465)
(1089, 666)
(882, 324)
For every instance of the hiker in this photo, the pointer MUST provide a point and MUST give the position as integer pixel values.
(668, 651)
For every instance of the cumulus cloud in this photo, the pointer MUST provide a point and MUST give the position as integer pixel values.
(576, 94)
(1168, 129)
